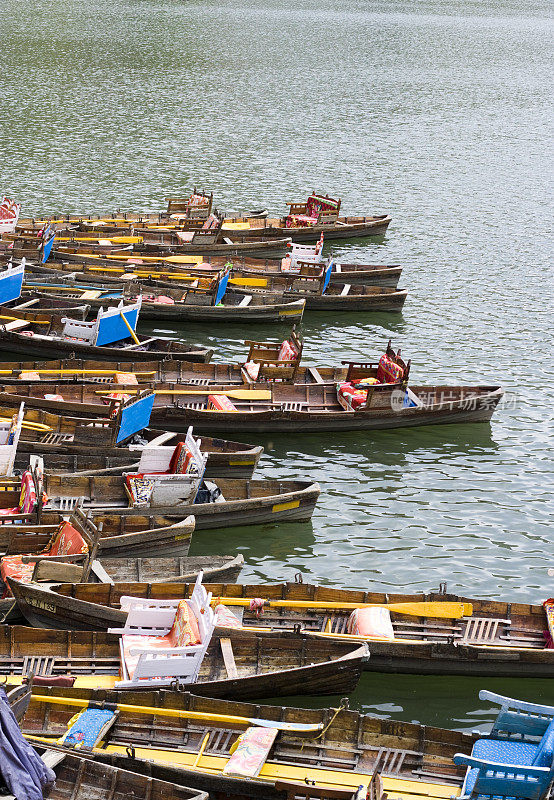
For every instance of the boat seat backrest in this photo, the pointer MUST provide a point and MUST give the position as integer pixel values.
(544, 757)
(156, 617)
(144, 616)
(480, 630)
(77, 329)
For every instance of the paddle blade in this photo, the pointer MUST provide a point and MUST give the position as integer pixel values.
(291, 727)
(439, 609)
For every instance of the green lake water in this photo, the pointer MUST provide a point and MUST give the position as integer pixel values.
(434, 111)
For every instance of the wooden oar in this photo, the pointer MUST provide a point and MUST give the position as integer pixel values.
(438, 609)
(31, 426)
(177, 713)
(234, 394)
(131, 331)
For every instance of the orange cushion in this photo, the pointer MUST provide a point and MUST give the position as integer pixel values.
(184, 631)
(67, 542)
(128, 378)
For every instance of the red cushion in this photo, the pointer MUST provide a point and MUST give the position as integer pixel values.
(388, 371)
(14, 567)
(180, 459)
(354, 397)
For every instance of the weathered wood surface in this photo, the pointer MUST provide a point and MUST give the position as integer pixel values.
(275, 667)
(412, 759)
(502, 639)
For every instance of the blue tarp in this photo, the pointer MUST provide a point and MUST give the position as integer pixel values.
(23, 771)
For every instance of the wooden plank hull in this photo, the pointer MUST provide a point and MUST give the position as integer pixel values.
(253, 502)
(43, 347)
(315, 421)
(417, 759)
(393, 301)
(278, 666)
(275, 245)
(263, 310)
(381, 276)
(86, 779)
(137, 536)
(166, 371)
(290, 311)
(347, 228)
(430, 646)
(225, 459)
(355, 298)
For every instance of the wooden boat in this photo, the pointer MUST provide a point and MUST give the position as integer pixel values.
(496, 639)
(181, 372)
(306, 221)
(337, 749)
(246, 502)
(49, 338)
(33, 308)
(170, 486)
(133, 536)
(80, 777)
(117, 264)
(71, 452)
(278, 666)
(247, 289)
(165, 300)
(320, 295)
(76, 240)
(351, 227)
(290, 408)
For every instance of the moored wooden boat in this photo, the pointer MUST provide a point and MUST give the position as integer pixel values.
(277, 667)
(350, 227)
(132, 536)
(337, 749)
(67, 453)
(246, 291)
(81, 777)
(246, 502)
(496, 639)
(238, 306)
(47, 340)
(34, 309)
(116, 264)
(78, 444)
(287, 408)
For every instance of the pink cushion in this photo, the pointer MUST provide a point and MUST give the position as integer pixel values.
(224, 617)
(253, 369)
(287, 352)
(220, 402)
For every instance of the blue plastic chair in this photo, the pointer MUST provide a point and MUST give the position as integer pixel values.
(506, 764)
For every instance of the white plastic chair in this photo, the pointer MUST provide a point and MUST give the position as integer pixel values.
(161, 666)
